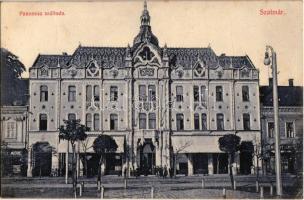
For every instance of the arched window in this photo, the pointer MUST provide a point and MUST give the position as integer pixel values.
(220, 122)
(72, 93)
(142, 121)
(44, 94)
(89, 120)
(43, 122)
(246, 121)
(204, 122)
(152, 121)
(96, 93)
(96, 122)
(113, 122)
(88, 93)
(179, 122)
(196, 122)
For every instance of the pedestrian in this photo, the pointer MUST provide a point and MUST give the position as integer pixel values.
(165, 172)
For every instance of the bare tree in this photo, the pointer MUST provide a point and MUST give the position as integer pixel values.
(176, 155)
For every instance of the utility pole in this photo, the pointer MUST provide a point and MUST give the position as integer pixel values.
(273, 61)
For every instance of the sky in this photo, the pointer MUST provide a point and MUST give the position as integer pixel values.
(235, 28)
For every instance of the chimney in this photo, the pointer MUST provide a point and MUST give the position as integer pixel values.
(290, 82)
(64, 53)
(270, 82)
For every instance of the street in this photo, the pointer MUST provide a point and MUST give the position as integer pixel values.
(180, 187)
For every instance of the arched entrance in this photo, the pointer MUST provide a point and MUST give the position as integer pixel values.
(42, 159)
(147, 158)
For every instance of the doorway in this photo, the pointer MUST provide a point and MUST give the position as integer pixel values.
(147, 158)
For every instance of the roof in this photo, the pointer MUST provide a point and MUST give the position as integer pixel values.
(104, 56)
(108, 57)
(52, 61)
(288, 95)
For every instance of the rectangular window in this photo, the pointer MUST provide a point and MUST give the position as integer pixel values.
(270, 129)
(142, 121)
(43, 122)
(113, 93)
(179, 122)
(96, 122)
(11, 130)
(196, 122)
(142, 93)
(113, 122)
(89, 121)
(152, 121)
(72, 93)
(152, 92)
(89, 93)
(219, 93)
(246, 121)
(96, 93)
(203, 93)
(290, 130)
(44, 94)
(220, 122)
(71, 116)
(179, 93)
(245, 93)
(196, 93)
(204, 122)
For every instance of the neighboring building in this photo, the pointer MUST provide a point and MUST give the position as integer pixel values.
(154, 101)
(290, 125)
(14, 132)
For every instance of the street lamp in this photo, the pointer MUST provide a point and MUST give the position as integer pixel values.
(272, 61)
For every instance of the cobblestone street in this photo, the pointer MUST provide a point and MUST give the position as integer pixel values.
(180, 187)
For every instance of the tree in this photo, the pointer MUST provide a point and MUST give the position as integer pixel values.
(73, 131)
(12, 88)
(103, 144)
(176, 154)
(230, 144)
(85, 148)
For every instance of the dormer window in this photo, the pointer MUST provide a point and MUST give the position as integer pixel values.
(146, 54)
(44, 71)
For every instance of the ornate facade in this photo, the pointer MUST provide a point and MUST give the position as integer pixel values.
(290, 126)
(156, 102)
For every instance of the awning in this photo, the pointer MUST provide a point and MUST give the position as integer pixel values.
(195, 144)
(87, 145)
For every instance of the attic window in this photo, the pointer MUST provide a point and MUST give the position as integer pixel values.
(245, 73)
(44, 71)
